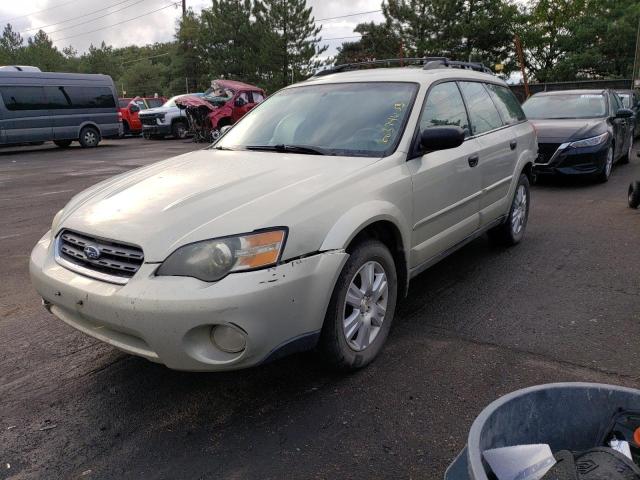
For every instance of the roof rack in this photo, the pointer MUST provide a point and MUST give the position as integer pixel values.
(429, 63)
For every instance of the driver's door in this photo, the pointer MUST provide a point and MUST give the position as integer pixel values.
(241, 105)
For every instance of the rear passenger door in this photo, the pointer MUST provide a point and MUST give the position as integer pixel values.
(497, 149)
(27, 114)
(446, 183)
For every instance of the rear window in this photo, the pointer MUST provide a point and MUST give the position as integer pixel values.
(123, 102)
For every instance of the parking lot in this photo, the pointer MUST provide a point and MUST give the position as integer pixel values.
(562, 306)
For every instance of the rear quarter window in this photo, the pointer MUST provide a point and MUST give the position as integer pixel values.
(506, 103)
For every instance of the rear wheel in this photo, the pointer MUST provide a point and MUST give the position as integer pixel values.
(361, 309)
(512, 230)
(179, 130)
(634, 194)
(62, 143)
(89, 137)
(125, 129)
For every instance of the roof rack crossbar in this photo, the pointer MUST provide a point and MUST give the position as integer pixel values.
(427, 62)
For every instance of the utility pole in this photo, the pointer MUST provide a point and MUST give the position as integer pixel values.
(520, 53)
(401, 53)
(184, 8)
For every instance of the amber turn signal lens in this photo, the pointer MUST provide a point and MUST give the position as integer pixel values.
(636, 436)
(261, 249)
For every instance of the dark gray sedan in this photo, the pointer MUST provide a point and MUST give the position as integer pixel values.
(580, 132)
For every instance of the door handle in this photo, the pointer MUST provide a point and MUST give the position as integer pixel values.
(473, 160)
(513, 144)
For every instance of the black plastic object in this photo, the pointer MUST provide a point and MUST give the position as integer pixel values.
(567, 416)
(600, 463)
(621, 427)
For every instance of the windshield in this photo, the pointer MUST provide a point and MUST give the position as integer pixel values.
(352, 119)
(626, 99)
(570, 105)
(154, 102)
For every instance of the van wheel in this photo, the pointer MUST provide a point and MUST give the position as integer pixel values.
(179, 130)
(62, 143)
(361, 309)
(89, 137)
(512, 230)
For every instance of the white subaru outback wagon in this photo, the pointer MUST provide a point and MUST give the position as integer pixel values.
(301, 227)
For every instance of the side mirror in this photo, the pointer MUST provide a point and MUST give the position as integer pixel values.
(625, 113)
(134, 108)
(240, 102)
(441, 138)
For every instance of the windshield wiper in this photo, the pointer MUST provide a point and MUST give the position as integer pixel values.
(223, 148)
(304, 149)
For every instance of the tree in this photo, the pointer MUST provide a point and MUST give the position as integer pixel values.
(103, 59)
(10, 45)
(142, 78)
(378, 42)
(41, 53)
(290, 39)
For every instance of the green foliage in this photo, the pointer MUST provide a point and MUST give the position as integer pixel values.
(379, 41)
(11, 44)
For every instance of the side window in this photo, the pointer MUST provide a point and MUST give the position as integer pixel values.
(57, 97)
(24, 98)
(482, 112)
(244, 96)
(507, 104)
(91, 97)
(616, 103)
(257, 97)
(444, 107)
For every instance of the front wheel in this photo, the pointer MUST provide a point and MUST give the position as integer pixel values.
(179, 130)
(627, 157)
(361, 309)
(604, 175)
(512, 230)
(89, 137)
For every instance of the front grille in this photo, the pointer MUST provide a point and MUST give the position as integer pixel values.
(546, 151)
(110, 261)
(148, 119)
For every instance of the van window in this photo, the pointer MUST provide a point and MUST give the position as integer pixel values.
(90, 97)
(57, 97)
(482, 112)
(507, 104)
(23, 98)
(444, 107)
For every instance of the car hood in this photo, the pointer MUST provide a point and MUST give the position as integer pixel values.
(151, 111)
(208, 194)
(561, 131)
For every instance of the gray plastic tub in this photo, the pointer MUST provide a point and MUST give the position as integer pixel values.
(567, 416)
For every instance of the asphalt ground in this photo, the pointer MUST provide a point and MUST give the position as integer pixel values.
(562, 306)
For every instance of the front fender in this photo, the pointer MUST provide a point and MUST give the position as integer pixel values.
(359, 217)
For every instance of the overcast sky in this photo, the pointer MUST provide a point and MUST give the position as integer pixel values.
(68, 21)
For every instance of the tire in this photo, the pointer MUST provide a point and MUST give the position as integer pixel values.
(604, 175)
(512, 230)
(89, 137)
(634, 194)
(62, 143)
(627, 156)
(349, 347)
(179, 130)
(125, 129)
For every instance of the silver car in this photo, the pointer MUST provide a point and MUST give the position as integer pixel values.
(300, 228)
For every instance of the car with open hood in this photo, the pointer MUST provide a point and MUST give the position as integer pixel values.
(580, 132)
(301, 227)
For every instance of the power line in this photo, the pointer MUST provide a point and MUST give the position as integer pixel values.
(145, 58)
(39, 11)
(341, 38)
(174, 4)
(83, 16)
(349, 15)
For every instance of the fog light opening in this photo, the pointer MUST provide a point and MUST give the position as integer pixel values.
(228, 339)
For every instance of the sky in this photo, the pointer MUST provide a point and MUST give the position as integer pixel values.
(68, 21)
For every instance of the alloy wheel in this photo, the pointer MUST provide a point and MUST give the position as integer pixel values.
(609, 165)
(519, 213)
(365, 305)
(90, 138)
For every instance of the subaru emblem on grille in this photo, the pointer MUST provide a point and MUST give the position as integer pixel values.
(92, 252)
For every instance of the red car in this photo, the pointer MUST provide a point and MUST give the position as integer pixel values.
(232, 101)
(129, 109)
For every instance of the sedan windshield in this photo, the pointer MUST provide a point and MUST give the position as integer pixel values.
(351, 119)
(570, 105)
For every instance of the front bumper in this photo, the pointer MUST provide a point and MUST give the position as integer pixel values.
(575, 161)
(169, 319)
(156, 129)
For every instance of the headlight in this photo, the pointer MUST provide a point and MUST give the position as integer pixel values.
(212, 260)
(161, 118)
(591, 142)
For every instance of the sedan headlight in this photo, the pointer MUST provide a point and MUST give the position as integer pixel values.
(591, 142)
(212, 260)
